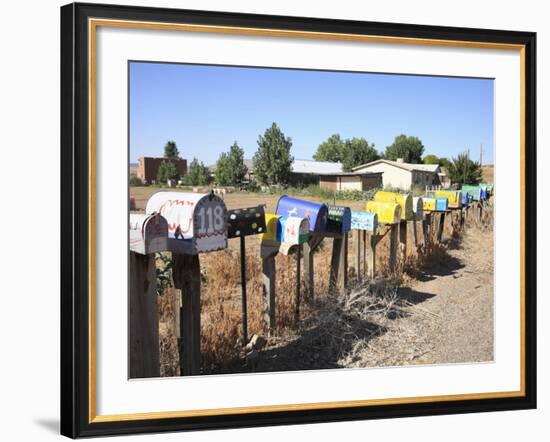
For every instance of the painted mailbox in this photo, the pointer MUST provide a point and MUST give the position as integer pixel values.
(364, 221)
(315, 213)
(338, 219)
(478, 193)
(454, 197)
(404, 200)
(418, 208)
(387, 213)
(197, 222)
(148, 233)
(435, 204)
(245, 222)
(285, 232)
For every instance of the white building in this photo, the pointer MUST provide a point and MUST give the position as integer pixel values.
(402, 175)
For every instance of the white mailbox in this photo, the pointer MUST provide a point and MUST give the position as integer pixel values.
(197, 222)
(148, 233)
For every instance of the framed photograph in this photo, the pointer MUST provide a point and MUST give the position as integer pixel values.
(275, 220)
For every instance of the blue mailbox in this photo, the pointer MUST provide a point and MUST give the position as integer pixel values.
(339, 219)
(316, 213)
(364, 221)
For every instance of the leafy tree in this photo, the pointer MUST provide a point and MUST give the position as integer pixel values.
(167, 171)
(331, 150)
(171, 151)
(230, 168)
(444, 162)
(463, 170)
(408, 148)
(198, 174)
(272, 160)
(431, 159)
(358, 151)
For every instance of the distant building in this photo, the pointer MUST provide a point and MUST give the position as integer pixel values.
(351, 181)
(444, 178)
(148, 167)
(403, 175)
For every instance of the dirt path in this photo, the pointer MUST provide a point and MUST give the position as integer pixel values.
(450, 313)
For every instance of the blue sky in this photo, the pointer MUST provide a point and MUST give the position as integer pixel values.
(206, 108)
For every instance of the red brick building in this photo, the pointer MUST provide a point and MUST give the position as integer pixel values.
(148, 167)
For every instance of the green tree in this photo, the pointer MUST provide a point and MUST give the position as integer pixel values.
(358, 151)
(463, 170)
(230, 168)
(198, 174)
(408, 148)
(331, 150)
(272, 160)
(167, 171)
(171, 151)
(444, 162)
(431, 159)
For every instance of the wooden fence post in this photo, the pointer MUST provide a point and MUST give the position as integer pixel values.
(414, 234)
(365, 252)
(186, 273)
(357, 254)
(393, 246)
(308, 271)
(371, 255)
(268, 270)
(144, 317)
(338, 263)
(403, 238)
(298, 283)
(440, 226)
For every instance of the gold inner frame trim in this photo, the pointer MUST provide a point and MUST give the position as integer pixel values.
(92, 28)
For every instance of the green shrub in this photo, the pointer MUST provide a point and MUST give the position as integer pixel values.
(135, 181)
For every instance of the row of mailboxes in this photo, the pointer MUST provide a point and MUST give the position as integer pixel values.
(435, 204)
(403, 199)
(478, 193)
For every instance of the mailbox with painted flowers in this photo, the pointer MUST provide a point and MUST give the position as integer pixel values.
(197, 222)
(315, 213)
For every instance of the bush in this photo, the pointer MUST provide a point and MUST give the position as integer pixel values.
(135, 181)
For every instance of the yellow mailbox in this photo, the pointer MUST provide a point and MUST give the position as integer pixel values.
(454, 197)
(405, 201)
(387, 212)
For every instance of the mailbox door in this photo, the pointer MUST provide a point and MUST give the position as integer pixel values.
(316, 213)
(428, 204)
(441, 204)
(245, 222)
(272, 228)
(388, 213)
(294, 230)
(339, 219)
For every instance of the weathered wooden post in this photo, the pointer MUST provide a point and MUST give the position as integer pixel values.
(440, 226)
(357, 254)
(338, 226)
(393, 247)
(363, 222)
(148, 235)
(371, 254)
(418, 210)
(197, 223)
(242, 223)
(403, 239)
(268, 279)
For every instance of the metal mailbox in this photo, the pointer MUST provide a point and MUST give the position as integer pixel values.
(478, 193)
(197, 222)
(273, 231)
(387, 213)
(294, 230)
(364, 221)
(338, 219)
(435, 204)
(418, 208)
(148, 233)
(316, 213)
(454, 197)
(246, 222)
(404, 200)
(466, 198)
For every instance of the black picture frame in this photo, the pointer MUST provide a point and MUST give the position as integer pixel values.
(75, 220)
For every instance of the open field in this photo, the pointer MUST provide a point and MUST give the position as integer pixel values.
(438, 308)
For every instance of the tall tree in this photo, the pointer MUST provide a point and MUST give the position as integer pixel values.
(171, 151)
(167, 171)
(198, 174)
(331, 150)
(230, 168)
(408, 148)
(358, 151)
(272, 160)
(431, 159)
(463, 170)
